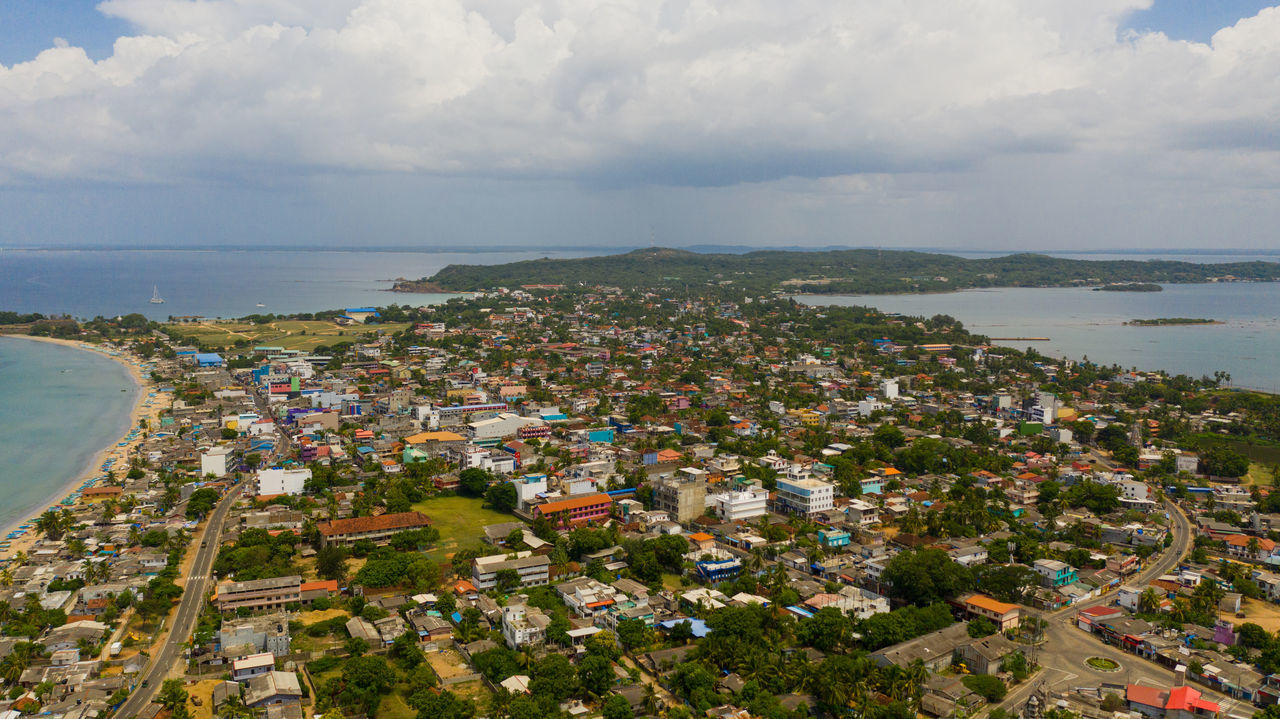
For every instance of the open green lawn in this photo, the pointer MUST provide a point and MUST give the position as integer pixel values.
(393, 706)
(1260, 475)
(459, 520)
(289, 334)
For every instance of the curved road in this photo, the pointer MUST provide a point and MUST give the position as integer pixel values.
(1065, 648)
(193, 596)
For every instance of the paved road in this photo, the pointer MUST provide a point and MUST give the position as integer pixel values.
(184, 621)
(1066, 647)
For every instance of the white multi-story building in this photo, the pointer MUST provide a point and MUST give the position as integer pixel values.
(862, 513)
(889, 389)
(1135, 490)
(804, 495)
(214, 462)
(274, 481)
(528, 488)
(533, 570)
(523, 625)
(742, 503)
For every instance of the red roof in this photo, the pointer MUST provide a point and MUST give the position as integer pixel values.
(572, 503)
(1180, 699)
(1100, 611)
(398, 520)
(329, 585)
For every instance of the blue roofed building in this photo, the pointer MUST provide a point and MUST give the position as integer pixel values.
(360, 314)
(209, 359)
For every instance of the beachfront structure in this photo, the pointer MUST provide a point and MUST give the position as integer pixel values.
(804, 496)
(533, 570)
(345, 532)
(576, 510)
(273, 593)
(275, 480)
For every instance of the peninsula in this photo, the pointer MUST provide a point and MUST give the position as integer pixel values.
(1169, 321)
(834, 272)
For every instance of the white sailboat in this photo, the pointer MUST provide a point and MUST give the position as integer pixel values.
(156, 299)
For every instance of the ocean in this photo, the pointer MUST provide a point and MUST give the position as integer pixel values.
(62, 407)
(222, 283)
(1082, 323)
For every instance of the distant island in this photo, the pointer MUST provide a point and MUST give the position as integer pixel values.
(1130, 287)
(833, 272)
(1163, 321)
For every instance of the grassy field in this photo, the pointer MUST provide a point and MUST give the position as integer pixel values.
(289, 334)
(1259, 475)
(393, 706)
(1256, 451)
(459, 520)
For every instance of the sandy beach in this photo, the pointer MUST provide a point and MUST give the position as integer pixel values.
(139, 412)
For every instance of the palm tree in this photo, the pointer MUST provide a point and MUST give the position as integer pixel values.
(234, 708)
(651, 703)
(110, 508)
(76, 547)
(50, 524)
(12, 667)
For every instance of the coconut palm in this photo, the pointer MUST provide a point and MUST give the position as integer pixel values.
(50, 523)
(651, 703)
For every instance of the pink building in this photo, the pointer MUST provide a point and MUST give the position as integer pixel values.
(577, 510)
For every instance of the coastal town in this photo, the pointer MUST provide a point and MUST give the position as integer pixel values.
(590, 501)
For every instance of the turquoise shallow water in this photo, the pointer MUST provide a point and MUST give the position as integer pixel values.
(61, 407)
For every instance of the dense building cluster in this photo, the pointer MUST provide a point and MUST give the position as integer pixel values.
(555, 501)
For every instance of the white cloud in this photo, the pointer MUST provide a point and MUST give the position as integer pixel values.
(702, 92)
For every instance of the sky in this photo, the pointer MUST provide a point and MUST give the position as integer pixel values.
(999, 125)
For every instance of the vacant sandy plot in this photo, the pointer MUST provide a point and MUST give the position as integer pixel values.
(203, 690)
(1264, 614)
(448, 663)
(308, 618)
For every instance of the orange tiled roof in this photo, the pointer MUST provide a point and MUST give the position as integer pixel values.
(572, 503)
(398, 520)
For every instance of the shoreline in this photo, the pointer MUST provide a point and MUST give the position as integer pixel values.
(139, 411)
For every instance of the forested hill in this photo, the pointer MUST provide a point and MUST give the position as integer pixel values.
(838, 271)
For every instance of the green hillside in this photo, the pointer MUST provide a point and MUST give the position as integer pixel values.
(839, 271)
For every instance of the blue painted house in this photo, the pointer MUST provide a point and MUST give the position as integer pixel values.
(833, 537)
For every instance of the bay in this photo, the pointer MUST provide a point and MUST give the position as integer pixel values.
(62, 407)
(223, 283)
(1080, 322)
